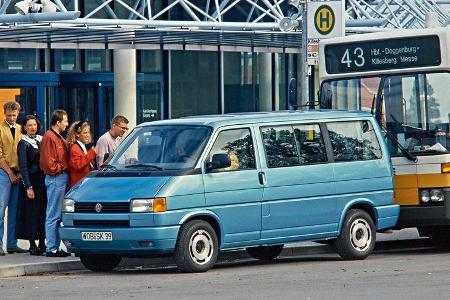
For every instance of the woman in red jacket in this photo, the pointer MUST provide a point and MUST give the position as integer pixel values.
(81, 160)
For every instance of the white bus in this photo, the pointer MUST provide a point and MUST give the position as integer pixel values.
(403, 77)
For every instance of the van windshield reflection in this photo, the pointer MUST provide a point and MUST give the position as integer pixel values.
(165, 147)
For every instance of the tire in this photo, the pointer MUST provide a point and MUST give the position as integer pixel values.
(439, 235)
(100, 263)
(265, 252)
(197, 247)
(357, 238)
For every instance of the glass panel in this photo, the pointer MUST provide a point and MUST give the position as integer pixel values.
(238, 145)
(281, 71)
(161, 148)
(280, 147)
(149, 102)
(247, 81)
(310, 143)
(80, 104)
(17, 60)
(67, 60)
(26, 96)
(353, 94)
(151, 61)
(417, 112)
(193, 83)
(353, 141)
(90, 5)
(97, 60)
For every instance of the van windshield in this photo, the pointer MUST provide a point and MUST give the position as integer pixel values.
(165, 147)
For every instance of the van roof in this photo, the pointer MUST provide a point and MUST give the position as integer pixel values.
(260, 117)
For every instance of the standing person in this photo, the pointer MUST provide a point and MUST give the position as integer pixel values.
(81, 160)
(30, 220)
(10, 136)
(54, 162)
(109, 141)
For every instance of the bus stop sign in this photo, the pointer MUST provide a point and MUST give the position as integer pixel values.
(326, 20)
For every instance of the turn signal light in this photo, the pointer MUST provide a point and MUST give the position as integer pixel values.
(445, 168)
(159, 204)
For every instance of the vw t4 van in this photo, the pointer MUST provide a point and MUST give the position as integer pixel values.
(193, 187)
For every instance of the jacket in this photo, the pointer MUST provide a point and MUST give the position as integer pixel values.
(8, 145)
(80, 163)
(54, 154)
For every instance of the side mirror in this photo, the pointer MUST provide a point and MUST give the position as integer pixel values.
(219, 161)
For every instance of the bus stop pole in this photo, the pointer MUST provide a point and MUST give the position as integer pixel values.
(304, 86)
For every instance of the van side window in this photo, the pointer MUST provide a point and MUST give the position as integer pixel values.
(355, 140)
(238, 144)
(310, 144)
(279, 145)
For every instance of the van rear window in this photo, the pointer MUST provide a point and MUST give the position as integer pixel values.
(353, 140)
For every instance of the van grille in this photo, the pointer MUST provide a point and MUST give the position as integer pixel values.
(107, 207)
(101, 223)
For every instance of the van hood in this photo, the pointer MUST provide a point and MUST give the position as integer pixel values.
(116, 188)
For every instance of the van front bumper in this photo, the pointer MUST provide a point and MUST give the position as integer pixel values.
(387, 216)
(133, 241)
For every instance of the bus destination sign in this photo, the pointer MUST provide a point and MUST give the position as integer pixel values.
(376, 55)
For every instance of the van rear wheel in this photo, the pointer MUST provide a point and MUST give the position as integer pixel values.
(100, 263)
(357, 238)
(197, 247)
(265, 252)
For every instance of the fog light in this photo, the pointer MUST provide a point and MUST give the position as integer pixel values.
(146, 244)
(425, 196)
(436, 195)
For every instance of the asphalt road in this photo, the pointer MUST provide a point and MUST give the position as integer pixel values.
(388, 274)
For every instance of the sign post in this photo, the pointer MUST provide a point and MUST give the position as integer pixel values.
(326, 21)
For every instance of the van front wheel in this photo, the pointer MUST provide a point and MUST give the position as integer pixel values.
(357, 238)
(100, 263)
(197, 247)
(265, 252)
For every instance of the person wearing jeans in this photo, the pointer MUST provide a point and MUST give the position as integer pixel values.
(10, 135)
(54, 162)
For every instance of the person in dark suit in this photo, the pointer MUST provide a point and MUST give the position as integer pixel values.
(30, 218)
(81, 160)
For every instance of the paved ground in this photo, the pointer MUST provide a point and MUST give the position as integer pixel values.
(25, 264)
(410, 273)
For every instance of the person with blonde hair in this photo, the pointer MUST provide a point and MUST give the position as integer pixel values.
(10, 135)
(81, 160)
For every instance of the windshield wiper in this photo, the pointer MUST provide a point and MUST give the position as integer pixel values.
(393, 138)
(144, 166)
(108, 167)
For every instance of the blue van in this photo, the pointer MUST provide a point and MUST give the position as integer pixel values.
(195, 186)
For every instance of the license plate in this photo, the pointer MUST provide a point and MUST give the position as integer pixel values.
(96, 236)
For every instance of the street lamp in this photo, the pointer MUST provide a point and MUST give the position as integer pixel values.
(35, 6)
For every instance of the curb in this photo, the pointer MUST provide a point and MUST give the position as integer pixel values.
(39, 268)
(75, 265)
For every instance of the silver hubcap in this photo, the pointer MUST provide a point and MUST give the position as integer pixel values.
(360, 235)
(201, 247)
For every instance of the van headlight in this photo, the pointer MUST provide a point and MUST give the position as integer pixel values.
(148, 205)
(68, 205)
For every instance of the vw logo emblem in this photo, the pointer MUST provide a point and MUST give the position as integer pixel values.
(98, 207)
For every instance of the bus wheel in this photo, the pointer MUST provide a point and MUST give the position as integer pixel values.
(265, 252)
(197, 247)
(357, 238)
(100, 263)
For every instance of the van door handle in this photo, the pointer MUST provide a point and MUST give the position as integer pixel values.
(262, 177)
